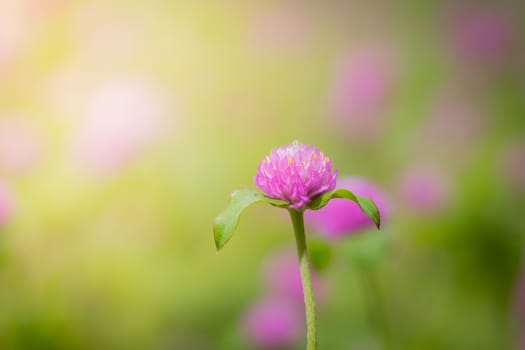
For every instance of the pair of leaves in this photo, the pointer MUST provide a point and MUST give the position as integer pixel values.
(226, 222)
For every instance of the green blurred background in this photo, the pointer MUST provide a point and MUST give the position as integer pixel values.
(124, 126)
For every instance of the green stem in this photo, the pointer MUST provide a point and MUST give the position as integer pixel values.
(304, 265)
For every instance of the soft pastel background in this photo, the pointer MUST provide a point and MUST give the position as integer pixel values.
(124, 126)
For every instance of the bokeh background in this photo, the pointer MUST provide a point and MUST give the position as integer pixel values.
(124, 126)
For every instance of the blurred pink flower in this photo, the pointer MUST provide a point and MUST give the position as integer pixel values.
(424, 189)
(295, 173)
(6, 204)
(482, 33)
(363, 84)
(123, 118)
(459, 118)
(282, 29)
(342, 217)
(20, 144)
(513, 164)
(272, 324)
(282, 278)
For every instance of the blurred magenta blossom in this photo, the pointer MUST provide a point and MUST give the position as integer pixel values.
(282, 278)
(272, 323)
(6, 204)
(459, 118)
(21, 144)
(363, 84)
(123, 118)
(482, 33)
(424, 189)
(341, 217)
(295, 173)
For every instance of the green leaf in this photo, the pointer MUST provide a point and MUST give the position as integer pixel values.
(226, 222)
(366, 204)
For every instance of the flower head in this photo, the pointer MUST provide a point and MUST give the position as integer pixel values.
(295, 173)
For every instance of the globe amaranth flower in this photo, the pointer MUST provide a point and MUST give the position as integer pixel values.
(295, 177)
(295, 173)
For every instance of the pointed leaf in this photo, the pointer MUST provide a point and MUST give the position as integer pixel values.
(366, 204)
(226, 222)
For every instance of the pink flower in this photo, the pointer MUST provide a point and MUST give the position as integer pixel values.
(424, 189)
(482, 33)
(123, 118)
(272, 324)
(458, 116)
(363, 83)
(342, 217)
(282, 277)
(295, 173)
